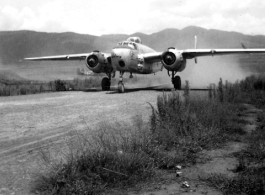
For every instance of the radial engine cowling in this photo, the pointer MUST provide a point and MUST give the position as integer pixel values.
(173, 60)
(96, 62)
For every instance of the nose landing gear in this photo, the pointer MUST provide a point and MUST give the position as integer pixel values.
(121, 88)
(131, 76)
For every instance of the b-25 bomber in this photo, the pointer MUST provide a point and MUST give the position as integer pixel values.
(134, 57)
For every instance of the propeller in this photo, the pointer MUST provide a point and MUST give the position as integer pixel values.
(92, 61)
(195, 59)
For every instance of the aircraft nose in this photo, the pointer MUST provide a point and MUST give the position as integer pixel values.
(121, 57)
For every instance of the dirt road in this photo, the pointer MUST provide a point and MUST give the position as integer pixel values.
(29, 122)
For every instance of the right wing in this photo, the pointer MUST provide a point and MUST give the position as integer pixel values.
(192, 53)
(60, 57)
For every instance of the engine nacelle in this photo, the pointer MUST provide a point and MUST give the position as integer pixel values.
(96, 62)
(173, 60)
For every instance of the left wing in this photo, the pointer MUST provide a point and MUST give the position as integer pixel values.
(61, 57)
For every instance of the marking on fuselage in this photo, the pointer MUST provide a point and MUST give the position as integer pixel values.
(115, 56)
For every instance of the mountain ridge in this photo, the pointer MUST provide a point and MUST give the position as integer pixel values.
(16, 45)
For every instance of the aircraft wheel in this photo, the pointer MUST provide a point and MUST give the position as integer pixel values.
(120, 87)
(105, 84)
(177, 82)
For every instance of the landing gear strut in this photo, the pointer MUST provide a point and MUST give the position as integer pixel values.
(176, 81)
(120, 84)
(131, 76)
(105, 83)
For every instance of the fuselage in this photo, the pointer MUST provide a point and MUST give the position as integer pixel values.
(126, 57)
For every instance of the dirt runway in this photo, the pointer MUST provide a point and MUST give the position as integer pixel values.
(31, 121)
(28, 122)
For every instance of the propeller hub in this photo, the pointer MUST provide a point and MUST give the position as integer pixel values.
(92, 61)
(169, 58)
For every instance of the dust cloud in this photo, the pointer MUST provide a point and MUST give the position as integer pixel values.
(211, 69)
(208, 70)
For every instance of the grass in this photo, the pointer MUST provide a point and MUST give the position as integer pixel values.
(190, 125)
(114, 155)
(250, 171)
(11, 87)
(250, 178)
(32, 87)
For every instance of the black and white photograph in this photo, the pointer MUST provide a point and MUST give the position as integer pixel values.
(130, 97)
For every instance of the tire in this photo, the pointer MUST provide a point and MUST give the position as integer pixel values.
(121, 87)
(105, 84)
(177, 82)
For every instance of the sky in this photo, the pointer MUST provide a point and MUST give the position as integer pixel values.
(98, 17)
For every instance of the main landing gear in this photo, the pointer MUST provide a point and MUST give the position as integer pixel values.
(176, 81)
(106, 82)
(120, 83)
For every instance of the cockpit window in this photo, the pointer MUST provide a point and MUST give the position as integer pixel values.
(134, 39)
(137, 40)
(130, 44)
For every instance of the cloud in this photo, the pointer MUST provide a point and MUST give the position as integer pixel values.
(129, 16)
(244, 16)
(44, 18)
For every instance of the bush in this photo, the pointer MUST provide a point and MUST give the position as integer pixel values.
(59, 85)
(185, 120)
(189, 125)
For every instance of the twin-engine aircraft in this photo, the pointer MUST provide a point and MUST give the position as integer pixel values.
(134, 57)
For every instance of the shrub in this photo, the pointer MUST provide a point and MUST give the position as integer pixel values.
(191, 125)
(59, 85)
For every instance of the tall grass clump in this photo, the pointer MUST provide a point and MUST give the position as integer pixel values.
(114, 155)
(188, 125)
(249, 90)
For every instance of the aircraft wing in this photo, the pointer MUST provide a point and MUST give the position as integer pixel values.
(152, 57)
(192, 53)
(60, 57)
